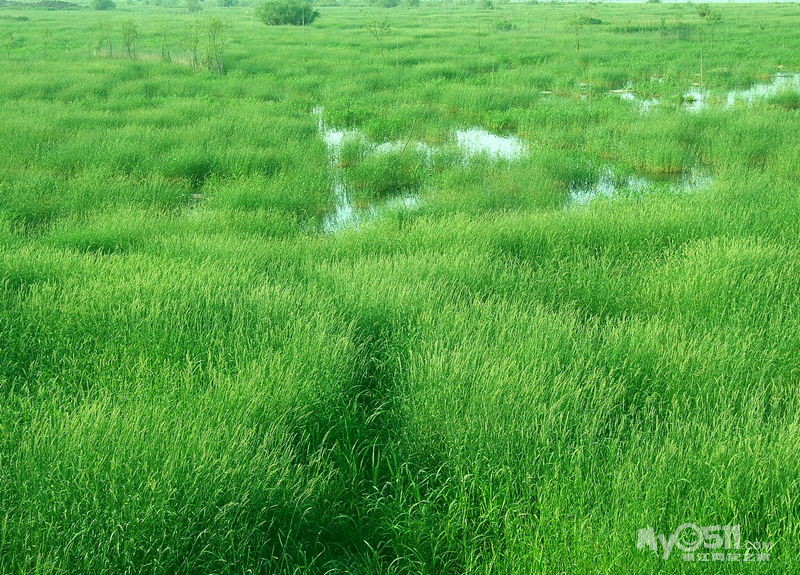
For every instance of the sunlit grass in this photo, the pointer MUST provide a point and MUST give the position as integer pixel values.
(195, 379)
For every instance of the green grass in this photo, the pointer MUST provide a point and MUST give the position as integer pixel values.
(195, 379)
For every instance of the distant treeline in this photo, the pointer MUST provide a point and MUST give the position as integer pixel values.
(46, 4)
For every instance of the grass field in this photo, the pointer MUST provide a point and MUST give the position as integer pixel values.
(514, 374)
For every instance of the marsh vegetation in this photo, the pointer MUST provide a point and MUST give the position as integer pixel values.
(437, 296)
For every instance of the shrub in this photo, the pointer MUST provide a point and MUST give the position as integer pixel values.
(708, 13)
(102, 4)
(505, 25)
(287, 12)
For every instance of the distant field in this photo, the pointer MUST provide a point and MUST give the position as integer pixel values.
(441, 290)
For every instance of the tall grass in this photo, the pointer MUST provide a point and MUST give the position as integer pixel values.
(194, 379)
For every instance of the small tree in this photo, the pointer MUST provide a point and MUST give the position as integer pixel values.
(379, 30)
(205, 43)
(213, 49)
(163, 34)
(193, 44)
(12, 41)
(192, 6)
(710, 17)
(576, 26)
(48, 34)
(102, 4)
(130, 33)
(101, 38)
(287, 12)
